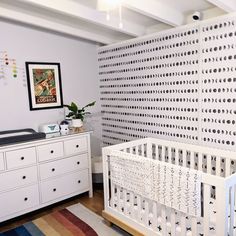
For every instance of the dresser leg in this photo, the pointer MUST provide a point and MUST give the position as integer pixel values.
(91, 193)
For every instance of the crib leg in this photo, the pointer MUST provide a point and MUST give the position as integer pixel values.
(128, 228)
(107, 222)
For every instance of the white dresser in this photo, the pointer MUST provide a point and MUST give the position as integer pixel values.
(38, 173)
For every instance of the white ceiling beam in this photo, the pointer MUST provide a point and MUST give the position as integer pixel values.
(226, 5)
(44, 23)
(157, 28)
(156, 10)
(77, 10)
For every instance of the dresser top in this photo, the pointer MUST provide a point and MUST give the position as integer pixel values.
(53, 137)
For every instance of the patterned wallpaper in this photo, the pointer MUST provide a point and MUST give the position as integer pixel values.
(178, 85)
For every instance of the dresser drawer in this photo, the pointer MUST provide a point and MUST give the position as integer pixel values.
(74, 146)
(65, 185)
(20, 157)
(1, 162)
(63, 166)
(50, 151)
(17, 178)
(18, 200)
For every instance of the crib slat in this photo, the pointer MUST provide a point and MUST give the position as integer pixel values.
(145, 149)
(209, 164)
(227, 167)
(139, 208)
(163, 220)
(206, 200)
(234, 189)
(118, 194)
(194, 226)
(184, 159)
(183, 224)
(142, 147)
(222, 198)
(154, 216)
(192, 162)
(125, 205)
(232, 204)
(176, 156)
(218, 168)
(149, 150)
(200, 161)
(155, 150)
(163, 153)
(131, 200)
(172, 221)
(112, 195)
(146, 213)
(169, 154)
(106, 180)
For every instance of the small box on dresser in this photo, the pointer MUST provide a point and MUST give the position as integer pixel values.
(39, 173)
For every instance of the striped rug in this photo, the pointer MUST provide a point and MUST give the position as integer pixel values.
(76, 220)
(58, 223)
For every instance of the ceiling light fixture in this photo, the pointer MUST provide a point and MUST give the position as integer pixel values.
(110, 5)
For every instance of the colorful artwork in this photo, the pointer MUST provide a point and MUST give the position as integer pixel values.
(44, 85)
(9, 69)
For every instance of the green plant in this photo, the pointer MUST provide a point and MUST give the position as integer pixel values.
(76, 112)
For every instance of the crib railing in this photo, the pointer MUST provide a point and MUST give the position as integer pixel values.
(153, 218)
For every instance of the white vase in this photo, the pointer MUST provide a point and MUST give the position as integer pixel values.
(76, 123)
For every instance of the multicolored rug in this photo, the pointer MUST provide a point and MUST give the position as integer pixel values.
(73, 221)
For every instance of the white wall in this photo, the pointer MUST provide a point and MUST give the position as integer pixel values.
(78, 61)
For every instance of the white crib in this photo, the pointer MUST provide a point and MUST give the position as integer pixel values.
(141, 215)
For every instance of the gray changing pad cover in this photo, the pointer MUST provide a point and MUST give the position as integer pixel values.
(21, 135)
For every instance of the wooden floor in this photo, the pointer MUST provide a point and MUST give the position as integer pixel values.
(95, 204)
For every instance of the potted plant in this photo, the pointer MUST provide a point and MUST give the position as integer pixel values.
(77, 114)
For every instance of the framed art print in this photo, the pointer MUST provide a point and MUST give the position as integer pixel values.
(44, 85)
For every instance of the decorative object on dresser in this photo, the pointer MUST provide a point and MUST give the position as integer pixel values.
(44, 85)
(78, 114)
(64, 127)
(49, 128)
(36, 174)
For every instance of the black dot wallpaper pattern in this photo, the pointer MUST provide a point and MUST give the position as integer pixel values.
(178, 85)
(218, 83)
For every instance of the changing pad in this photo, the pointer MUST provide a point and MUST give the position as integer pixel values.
(21, 135)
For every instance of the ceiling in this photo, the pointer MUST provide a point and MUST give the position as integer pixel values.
(81, 19)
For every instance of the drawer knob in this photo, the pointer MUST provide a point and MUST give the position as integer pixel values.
(54, 190)
(25, 199)
(79, 181)
(53, 169)
(52, 151)
(78, 162)
(23, 177)
(77, 145)
(22, 158)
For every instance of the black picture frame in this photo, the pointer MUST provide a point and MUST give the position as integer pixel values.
(44, 85)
